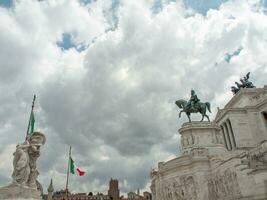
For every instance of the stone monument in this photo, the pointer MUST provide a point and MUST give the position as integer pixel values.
(221, 160)
(25, 173)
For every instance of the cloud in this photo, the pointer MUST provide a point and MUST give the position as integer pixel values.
(114, 101)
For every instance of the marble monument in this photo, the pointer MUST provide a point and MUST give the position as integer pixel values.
(225, 159)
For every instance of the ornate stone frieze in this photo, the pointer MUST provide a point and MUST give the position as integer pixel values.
(256, 158)
(217, 138)
(223, 186)
(180, 188)
(200, 151)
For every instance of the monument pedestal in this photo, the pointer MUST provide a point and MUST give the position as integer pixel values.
(195, 135)
(19, 192)
(186, 177)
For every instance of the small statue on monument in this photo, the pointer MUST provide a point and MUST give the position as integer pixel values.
(193, 106)
(25, 184)
(24, 162)
(21, 164)
(245, 83)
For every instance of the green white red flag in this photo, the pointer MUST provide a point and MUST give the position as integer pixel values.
(74, 169)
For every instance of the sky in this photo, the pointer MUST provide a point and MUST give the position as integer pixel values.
(107, 73)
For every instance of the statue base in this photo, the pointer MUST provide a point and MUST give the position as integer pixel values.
(19, 192)
(195, 135)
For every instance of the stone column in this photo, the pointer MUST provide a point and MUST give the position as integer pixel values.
(228, 145)
(227, 136)
(224, 138)
(230, 134)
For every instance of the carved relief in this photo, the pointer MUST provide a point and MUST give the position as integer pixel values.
(190, 188)
(256, 158)
(167, 191)
(183, 141)
(178, 189)
(224, 186)
(199, 152)
(196, 139)
(192, 139)
(217, 138)
(183, 188)
(188, 140)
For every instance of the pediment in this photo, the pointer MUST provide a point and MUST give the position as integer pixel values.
(245, 97)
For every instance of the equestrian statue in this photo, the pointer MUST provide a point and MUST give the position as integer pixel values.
(245, 83)
(193, 106)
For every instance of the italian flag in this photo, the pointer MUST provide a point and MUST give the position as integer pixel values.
(32, 122)
(74, 169)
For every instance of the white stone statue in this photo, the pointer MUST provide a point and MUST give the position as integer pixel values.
(25, 184)
(21, 164)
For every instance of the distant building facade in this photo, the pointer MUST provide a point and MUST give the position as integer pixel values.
(61, 195)
(114, 191)
(137, 196)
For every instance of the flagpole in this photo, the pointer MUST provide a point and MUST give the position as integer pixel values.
(68, 173)
(27, 133)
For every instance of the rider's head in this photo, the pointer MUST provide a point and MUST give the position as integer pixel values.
(192, 92)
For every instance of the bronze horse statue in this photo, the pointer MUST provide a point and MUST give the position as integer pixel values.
(198, 108)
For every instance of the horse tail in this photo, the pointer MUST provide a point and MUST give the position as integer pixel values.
(208, 106)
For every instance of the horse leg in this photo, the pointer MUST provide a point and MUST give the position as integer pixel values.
(204, 114)
(180, 113)
(202, 118)
(207, 117)
(188, 115)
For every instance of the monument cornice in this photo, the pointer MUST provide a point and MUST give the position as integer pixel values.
(181, 162)
(198, 125)
(257, 106)
(222, 112)
(242, 92)
(256, 94)
(225, 111)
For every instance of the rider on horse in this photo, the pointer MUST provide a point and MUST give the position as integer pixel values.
(193, 100)
(193, 106)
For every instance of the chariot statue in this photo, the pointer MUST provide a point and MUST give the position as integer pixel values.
(244, 83)
(194, 105)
